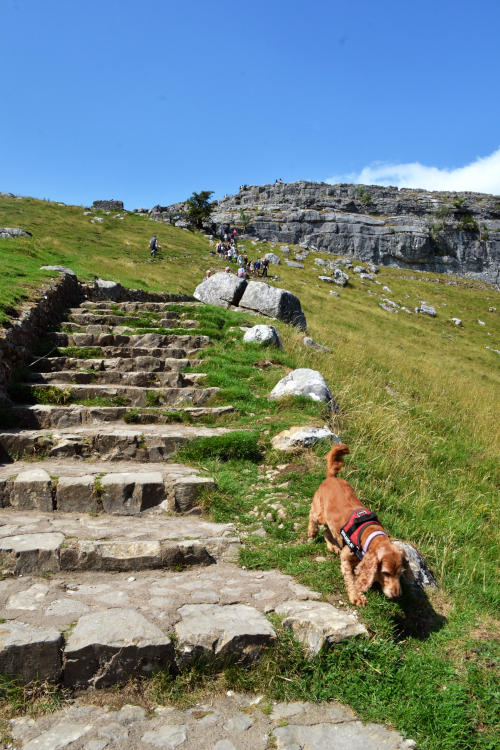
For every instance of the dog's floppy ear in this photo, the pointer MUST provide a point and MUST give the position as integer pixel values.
(365, 571)
(407, 571)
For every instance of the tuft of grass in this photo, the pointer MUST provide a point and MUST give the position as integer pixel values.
(238, 445)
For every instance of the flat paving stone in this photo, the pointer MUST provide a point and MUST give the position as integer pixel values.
(239, 723)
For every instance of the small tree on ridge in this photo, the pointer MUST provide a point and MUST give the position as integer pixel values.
(199, 208)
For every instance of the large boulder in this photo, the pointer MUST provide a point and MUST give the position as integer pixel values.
(273, 302)
(110, 289)
(303, 382)
(263, 335)
(273, 258)
(222, 289)
(9, 232)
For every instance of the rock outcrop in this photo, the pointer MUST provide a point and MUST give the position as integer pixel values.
(428, 231)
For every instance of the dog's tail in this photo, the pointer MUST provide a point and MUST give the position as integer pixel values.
(334, 459)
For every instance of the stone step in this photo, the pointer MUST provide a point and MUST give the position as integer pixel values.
(108, 317)
(111, 625)
(142, 378)
(218, 724)
(111, 442)
(44, 416)
(135, 340)
(136, 306)
(37, 543)
(119, 328)
(119, 488)
(131, 395)
(122, 364)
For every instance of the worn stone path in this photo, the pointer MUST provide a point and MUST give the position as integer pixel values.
(103, 578)
(223, 722)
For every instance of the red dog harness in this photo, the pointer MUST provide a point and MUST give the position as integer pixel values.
(358, 521)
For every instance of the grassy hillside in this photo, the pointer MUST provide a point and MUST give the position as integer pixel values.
(419, 409)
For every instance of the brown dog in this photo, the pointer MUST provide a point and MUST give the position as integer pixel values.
(366, 553)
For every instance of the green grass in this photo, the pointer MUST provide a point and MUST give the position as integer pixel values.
(419, 409)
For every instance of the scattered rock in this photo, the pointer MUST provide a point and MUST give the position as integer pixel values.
(264, 335)
(9, 232)
(293, 264)
(302, 437)
(303, 382)
(312, 344)
(273, 258)
(426, 309)
(457, 321)
(423, 576)
(340, 277)
(481, 322)
(316, 624)
(334, 293)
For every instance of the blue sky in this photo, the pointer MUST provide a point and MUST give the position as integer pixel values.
(147, 101)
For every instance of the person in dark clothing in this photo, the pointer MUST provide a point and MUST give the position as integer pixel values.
(265, 264)
(153, 246)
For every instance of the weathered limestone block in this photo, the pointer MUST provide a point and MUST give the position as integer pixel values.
(32, 490)
(34, 653)
(316, 624)
(110, 646)
(273, 302)
(130, 493)
(76, 494)
(234, 631)
(221, 289)
(263, 335)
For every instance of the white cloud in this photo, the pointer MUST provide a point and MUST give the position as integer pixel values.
(482, 175)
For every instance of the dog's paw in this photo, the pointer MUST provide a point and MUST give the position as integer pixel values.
(358, 599)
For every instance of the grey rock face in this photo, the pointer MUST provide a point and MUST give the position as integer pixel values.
(273, 302)
(315, 624)
(235, 630)
(273, 258)
(33, 653)
(221, 289)
(109, 646)
(303, 382)
(76, 494)
(428, 231)
(9, 232)
(264, 335)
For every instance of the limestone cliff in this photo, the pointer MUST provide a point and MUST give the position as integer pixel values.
(432, 231)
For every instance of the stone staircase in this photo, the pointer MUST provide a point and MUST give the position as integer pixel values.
(103, 553)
